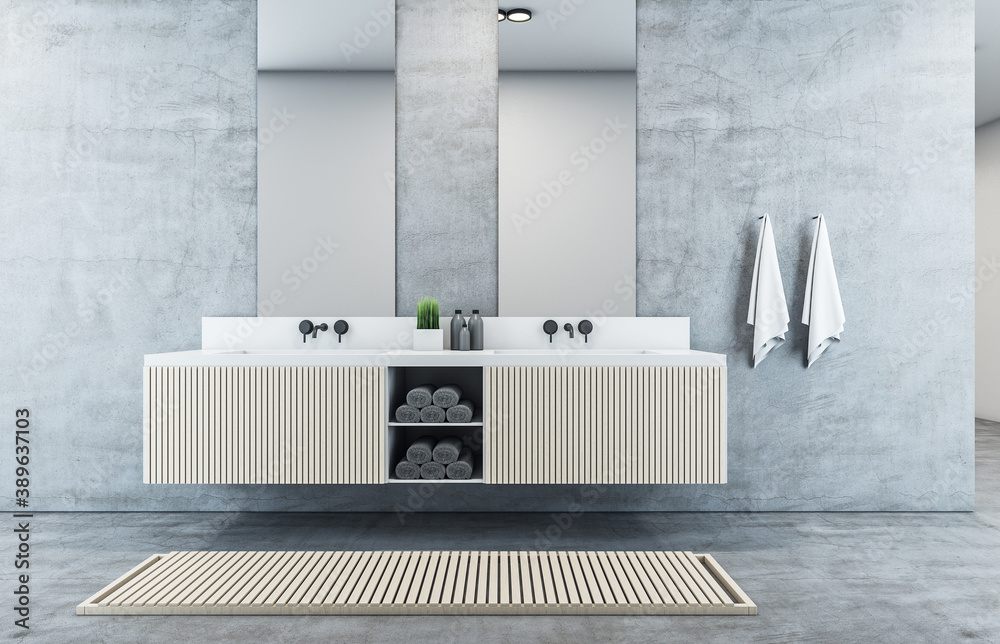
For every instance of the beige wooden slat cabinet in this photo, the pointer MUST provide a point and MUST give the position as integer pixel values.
(249, 425)
(329, 424)
(610, 425)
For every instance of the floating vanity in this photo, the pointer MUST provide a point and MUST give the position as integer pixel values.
(567, 415)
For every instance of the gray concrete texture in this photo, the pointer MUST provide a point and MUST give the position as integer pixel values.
(446, 155)
(127, 209)
(816, 577)
(796, 109)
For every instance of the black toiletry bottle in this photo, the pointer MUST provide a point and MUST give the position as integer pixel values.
(457, 322)
(463, 341)
(476, 331)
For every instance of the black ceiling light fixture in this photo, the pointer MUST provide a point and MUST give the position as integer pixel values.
(502, 15)
(518, 15)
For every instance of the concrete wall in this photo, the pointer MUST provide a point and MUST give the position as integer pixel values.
(127, 211)
(988, 254)
(744, 107)
(446, 155)
(795, 109)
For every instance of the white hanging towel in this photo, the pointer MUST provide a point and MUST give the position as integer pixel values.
(822, 311)
(768, 311)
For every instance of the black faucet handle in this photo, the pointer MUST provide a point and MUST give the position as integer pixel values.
(305, 328)
(569, 329)
(341, 327)
(586, 327)
(550, 327)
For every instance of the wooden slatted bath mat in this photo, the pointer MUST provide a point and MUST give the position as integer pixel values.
(423, 583)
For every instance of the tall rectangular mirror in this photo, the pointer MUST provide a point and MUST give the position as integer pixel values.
(567, 159)
(326, 124)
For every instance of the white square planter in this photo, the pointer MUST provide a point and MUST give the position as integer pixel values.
(428, 339)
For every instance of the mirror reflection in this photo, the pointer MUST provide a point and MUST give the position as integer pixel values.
(326, 157)
(567, 159)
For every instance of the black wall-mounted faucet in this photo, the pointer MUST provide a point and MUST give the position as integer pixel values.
(569, 327)
(586, 327)
(306, 327)
(340, 327)
(550, 327)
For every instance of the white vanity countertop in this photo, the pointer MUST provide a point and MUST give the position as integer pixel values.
(407, 358)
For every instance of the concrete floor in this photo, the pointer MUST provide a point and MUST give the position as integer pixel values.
(816, 577)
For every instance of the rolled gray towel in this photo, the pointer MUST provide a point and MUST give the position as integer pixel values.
(447, 450)
(432, 470)
(447, 396)
(421, 396)
(432, 414)
(462, 468)
(460, 413)
(407, 470)
(422, 450)
(407, 414)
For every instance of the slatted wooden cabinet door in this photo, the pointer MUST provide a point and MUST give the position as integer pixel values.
(615, 425)
(242, 425)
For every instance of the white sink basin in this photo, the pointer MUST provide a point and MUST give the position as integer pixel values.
(406, 358)
(574, 352)
(286, 352)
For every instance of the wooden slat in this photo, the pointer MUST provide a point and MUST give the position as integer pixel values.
(642, 585)
(398, 585)
(385, 582)
(527, 589)
(192, 580)
(697, 569)
(599, 586)
(558, 581)
(258, 425)
(667, 573)
(298, 579)
(99, 596)
(376, 592)
(623, 579)
(234, 591)
(131, 580)
(665, 588)
(556, 425)
(354, 589)
(671, 559)
(482, 586)
(620, 597)
(548, 584)
(616, 425)
(430, 579)
(472, 579)
(166, 583)
(271, 580)
(458, 594)
(418, 578)
(158, 577)
(727, 582)
(230, 577)
(699, 581)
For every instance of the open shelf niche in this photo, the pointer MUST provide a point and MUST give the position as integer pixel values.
(399, 436)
